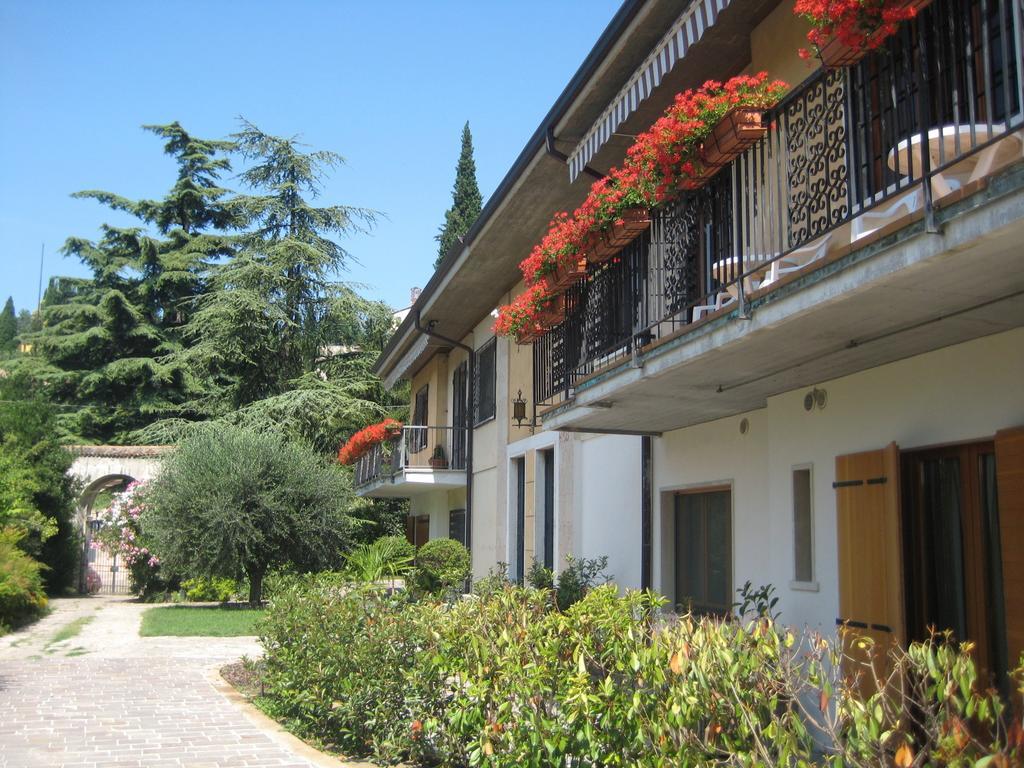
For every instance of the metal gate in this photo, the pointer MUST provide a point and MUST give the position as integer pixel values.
(115, 578)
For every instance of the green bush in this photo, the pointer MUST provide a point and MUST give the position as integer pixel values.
(442, 566)
(22, 597)
(336, 663)
(208, 590)
(579, 576)
(386, 558)
(505, 679)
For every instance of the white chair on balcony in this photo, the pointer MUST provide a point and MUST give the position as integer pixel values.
(795, 260)
(876, 218)
(722, 299)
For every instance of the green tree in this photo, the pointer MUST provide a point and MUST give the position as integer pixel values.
(8, 326)
(466, 200)
(36, 494)
(105, 349)
(27, 322)
(231, 502)
(278, 343)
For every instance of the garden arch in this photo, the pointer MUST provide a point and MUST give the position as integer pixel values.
(108, 468)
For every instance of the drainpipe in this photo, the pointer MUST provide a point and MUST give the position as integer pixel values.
(471, 376)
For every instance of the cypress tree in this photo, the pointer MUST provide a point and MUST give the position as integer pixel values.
(466, 200)
(8, 326)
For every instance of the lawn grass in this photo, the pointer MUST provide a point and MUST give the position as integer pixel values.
(199, 621)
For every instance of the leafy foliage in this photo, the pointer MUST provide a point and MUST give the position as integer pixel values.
(231, 502)
(579, 576)
(505, 680)
(466, 200)
(442, 566)
(36, 494)
(386, 558)
(21, 582)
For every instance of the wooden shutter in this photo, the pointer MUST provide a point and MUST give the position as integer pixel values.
(1009, 445)
(870, 549)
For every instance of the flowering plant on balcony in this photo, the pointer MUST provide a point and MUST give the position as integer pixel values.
(861, 25)
(672, 151)
(560, 248)
(669, 157)
(367, 437)
(520, 319)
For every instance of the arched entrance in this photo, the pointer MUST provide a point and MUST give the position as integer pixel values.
(106, 470)
(97, 563)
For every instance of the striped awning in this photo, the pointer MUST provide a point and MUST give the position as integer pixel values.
(686, 31)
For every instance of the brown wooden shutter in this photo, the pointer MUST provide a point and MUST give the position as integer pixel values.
(870, 548)
(1010, 489)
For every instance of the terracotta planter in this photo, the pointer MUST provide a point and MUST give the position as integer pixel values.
(835, 53)
(738, 129)
(529, 337)
(565, 276)
(602, 245)
(552, 313)
(438, 463)
(598, 249)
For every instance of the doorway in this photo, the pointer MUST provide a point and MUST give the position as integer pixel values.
(952, 551)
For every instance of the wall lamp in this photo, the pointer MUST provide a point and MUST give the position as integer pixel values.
(519, 410)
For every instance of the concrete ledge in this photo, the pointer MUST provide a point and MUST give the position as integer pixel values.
(274, 729)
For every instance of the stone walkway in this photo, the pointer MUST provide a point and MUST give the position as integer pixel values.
(108, 697)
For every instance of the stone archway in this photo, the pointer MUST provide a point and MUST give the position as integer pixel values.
(103, 468)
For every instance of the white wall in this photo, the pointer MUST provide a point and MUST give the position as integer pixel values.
(960, 393)
(607, 513)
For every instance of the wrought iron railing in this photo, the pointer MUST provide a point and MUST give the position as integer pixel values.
(844, 157)
(415, 447)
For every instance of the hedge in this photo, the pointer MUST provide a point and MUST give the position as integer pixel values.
(509, 680)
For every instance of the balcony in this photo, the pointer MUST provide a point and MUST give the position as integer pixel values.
(881, 217)
(418, 460)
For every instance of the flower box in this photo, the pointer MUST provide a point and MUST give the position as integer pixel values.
(739, 129)
(529, 336)
(565, 275)
(552, 313)
(602, 245)
(834, 53)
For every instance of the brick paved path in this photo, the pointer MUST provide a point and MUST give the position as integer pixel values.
(110, 698)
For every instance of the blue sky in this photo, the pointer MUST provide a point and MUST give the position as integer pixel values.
(386, 84)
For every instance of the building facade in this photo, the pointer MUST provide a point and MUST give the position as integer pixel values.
(807, 373)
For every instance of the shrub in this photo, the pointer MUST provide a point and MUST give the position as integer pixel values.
(504, 679)
(387, 558)
(578, 577)
(205, 590)
(442, 565)
(540, 577)
(22, 597)
(336, 663)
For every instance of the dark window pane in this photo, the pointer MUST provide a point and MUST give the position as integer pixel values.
(484, 382)
(803, 547)
(457, 525)
(703, 541)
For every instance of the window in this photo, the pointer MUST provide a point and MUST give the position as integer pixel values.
(548, 512)
(484, 381)
(519, 555)
(803, 530)
(457, 526)
(703, 551)
(418, 438)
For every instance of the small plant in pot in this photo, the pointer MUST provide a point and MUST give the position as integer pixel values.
(438, 460)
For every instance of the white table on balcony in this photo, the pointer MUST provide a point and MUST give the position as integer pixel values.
(945, 144)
